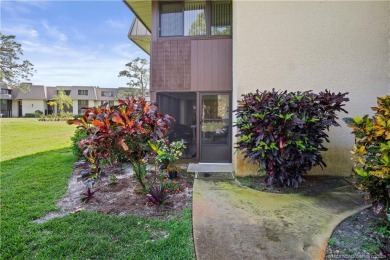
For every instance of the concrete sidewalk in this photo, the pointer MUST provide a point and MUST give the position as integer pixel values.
(233, 222)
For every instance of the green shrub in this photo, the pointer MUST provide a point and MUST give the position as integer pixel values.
(29, 115)
(284, 132)
(38, 113)
(371, 154)
(79, 134)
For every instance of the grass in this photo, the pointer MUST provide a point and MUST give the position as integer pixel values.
(30, 186)
(26, 136)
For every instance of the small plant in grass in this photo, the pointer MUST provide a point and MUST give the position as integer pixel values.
(157, 194)
(284, 132)
(371, 155)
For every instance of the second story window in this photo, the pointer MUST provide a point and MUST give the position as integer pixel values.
(5, 91)
(107, 93)
(195, 18)
(83, 92)
(67, 92)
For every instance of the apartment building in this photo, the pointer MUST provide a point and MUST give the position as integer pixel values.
(206, 54)
(15, 103)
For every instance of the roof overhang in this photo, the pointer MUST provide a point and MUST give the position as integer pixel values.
(140, 35)
(142, 9)
(142, 26)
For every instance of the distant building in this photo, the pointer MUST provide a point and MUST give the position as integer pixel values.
(15, 103)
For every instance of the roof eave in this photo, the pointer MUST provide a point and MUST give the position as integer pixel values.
(136, 6)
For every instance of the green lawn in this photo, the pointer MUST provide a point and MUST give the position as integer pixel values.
(34, 175)
(26, 136)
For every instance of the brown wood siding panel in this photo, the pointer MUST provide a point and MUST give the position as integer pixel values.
(185, 54)
(222, 67)
(194, 65)
(188, 64)
(171, 65)
(200, 65)
(229, 64)
(215, 63)
(174, 80)
(211, 65)
(167, 65)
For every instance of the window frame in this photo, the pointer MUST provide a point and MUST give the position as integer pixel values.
(81, 91)
(108, 91)
(208, 19)
(79, 110)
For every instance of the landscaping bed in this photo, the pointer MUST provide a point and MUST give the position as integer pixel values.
(119, 193)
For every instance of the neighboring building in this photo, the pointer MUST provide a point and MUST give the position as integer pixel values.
(205, 54)
(15, 103)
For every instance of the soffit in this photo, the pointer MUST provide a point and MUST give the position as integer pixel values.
(140, 35)
(142, 9)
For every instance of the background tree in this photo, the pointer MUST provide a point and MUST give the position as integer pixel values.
(11, 72)
(62, 100)
(138, 72)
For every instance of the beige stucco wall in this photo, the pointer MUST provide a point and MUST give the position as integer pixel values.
(30, 106)
(15, 108)
(341, 46)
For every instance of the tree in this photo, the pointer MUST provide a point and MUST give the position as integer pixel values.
(138, 73)
(61, 99)
(11, 72)
(198, 27)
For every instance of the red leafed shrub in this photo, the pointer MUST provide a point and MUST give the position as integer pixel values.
(122, 133)
(284, 132)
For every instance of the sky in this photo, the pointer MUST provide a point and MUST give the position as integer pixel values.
(72, 43)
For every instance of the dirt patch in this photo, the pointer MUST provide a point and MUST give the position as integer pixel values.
(123, 194)
(312, 184)
(364, 235)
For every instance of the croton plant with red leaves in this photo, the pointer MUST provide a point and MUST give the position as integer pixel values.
(122, 131)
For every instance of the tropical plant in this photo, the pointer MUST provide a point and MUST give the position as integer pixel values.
(38, 113)
(89, 195)
(171, 185)
(167, 153)
(11, 72)
(157, 194)
(371, 154)
(79, 134)
(123, 131)
(284, 132)
(62, 100)
(138, 73)
(29, 115)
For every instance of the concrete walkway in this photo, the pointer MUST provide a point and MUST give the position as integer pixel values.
(233, 222)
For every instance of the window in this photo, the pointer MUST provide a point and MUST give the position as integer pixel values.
(171, 19)
(67, 92)
(83, 92)
(110, 102)
(6, 107)
(107, 93)
(195, 18)
(221, 18)
(5, 91)
(82, 104)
